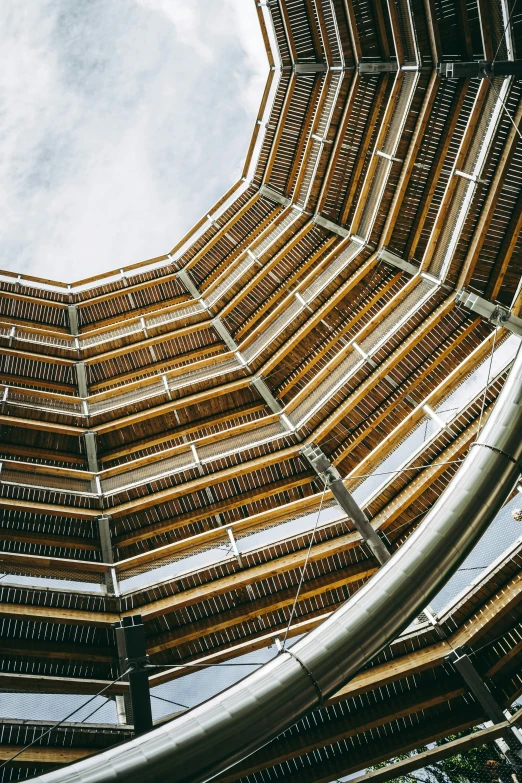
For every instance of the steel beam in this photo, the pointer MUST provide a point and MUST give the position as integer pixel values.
(332, 479)
(496, 314)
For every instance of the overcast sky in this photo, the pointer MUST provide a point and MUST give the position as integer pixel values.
(121, 123)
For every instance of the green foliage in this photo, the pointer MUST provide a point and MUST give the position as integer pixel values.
(485, 764)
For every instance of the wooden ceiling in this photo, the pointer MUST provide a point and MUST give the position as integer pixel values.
(174, 396)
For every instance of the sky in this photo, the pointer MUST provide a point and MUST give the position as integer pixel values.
(121, 123)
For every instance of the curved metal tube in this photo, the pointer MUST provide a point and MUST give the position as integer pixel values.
(211, 737)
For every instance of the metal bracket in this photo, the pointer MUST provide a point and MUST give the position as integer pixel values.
(496, 314)
(310, 68)
(72, 312)
(225, 335)
(81, 378)
(90, 449)
(319, 220)
(481, 69)
(382, 67)
(394, 260)
(273, 195)
(260, 386)
(191, 287)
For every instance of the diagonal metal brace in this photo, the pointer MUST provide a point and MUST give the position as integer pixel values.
(463, 664)
(332, 478)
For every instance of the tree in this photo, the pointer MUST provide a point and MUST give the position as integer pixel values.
(485, 764)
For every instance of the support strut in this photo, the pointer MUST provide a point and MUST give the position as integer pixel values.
(332, 478)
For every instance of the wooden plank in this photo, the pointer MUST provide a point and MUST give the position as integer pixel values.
(41, 562)
(364, 331)
(322, 47)
(58, 650)
(114, 353)
(45, 754)
(464, 32)
(266, 39)
(181, 448)
(393, 438)
(321, 311)
(222, 230)
(383, 369)
(436, 168)
(39, 424)
(70, 512)
(447, 200)
(289, 282)
(354, 33)
(194, 485)
(338, 141)
(231, 261)
(315, 105)
(46, 358)
(171, 372)
(160, 368)
(48, 539)
(505, 252)
(169, 407)
(250, 523)
(363, 150)
(381, 136)
(491, 203)
(44, 684)
(278, 565)
(177, 432)
(49, 470)
(134, 288)
(433, 30)
(60, 615)
(288, 32)
(396, 32)
(386, 409)
(486, 25)
(267, 267)
(382, 35)
(327, 345)
(413, 150)
(281, 122)
(252, 609)
(34, 300)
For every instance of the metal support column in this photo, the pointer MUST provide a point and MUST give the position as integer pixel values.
(72, 312)
(104, 530)
(463, 664)
(332, 478)
(113, 590)
(130, 638)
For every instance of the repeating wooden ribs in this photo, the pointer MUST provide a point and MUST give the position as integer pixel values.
(198, 376)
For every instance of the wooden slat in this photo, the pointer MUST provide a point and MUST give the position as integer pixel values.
(382, 370)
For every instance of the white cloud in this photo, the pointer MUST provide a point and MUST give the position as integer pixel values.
(122, 122)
